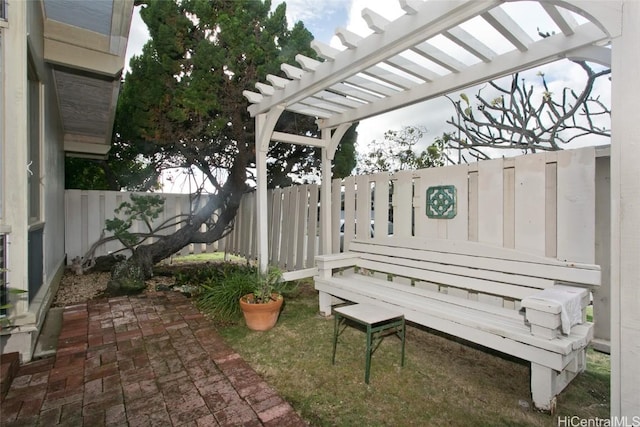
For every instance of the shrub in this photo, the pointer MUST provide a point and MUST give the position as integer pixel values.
(218, 294)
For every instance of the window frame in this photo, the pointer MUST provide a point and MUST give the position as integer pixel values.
(35, 191)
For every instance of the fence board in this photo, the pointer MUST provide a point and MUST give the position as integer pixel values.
(381, 204)
(276, 224)
(473, 206)
(529, 225)
(508, 208)
(551, 206)
(312, 225)
(424, 226)
(576, 205)
(301, 225)
(491, 202)
(402, 203)
(458, 227)
(110, 204)
(292, 227)
(84, 232)
(349, 211)
(363, 207)
(336, 207)
(252, 237)
(73, 224)
(94, 225)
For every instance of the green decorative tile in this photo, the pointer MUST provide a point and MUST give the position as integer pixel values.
(441, 202)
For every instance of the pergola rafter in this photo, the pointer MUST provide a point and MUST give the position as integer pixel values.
(401, 63)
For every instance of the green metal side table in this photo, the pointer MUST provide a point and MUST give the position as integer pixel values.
(379, 323)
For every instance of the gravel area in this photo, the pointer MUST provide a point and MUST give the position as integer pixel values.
(76, 289)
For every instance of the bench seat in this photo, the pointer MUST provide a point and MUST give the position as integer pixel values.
(471, 291)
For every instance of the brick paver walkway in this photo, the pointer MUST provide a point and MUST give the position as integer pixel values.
(152, 360)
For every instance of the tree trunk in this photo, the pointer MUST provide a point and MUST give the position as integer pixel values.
(129, 276)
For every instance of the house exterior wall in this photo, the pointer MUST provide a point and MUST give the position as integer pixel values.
(22, 56)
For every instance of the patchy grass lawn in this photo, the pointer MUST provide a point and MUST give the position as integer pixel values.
(443, 382)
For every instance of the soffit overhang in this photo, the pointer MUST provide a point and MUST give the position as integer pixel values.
(85, 43)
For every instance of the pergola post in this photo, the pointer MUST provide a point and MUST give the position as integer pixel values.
(625, 215)
(325, 195)
(330, 145)
(265, 123)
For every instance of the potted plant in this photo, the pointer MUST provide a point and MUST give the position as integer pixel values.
(261, 307)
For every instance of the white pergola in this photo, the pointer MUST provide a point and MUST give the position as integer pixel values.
(401, 64)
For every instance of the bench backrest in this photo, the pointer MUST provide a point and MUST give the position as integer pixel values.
(472, 270)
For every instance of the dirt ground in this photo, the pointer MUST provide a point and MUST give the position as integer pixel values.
(75, 289)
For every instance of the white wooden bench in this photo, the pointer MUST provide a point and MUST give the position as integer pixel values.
(481, 293)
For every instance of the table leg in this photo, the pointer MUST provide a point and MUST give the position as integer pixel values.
(403, 339)
(368, 362)
(336, 326)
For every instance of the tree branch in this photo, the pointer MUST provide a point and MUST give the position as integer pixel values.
(514, 120)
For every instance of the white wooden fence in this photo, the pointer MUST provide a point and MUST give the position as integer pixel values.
(86, 212)
(544, 204)
(554, 204)
(294, 228)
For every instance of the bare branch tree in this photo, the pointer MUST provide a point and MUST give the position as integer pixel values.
(516, 119)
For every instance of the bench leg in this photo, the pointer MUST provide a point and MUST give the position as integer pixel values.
(325, 303)
(543, 387)
(547, 383)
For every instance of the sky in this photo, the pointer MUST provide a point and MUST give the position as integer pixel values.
(323, 17)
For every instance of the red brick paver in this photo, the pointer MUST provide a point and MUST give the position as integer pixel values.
(152, 360)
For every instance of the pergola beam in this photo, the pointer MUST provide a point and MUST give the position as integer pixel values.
(297, 139)
(539, 53)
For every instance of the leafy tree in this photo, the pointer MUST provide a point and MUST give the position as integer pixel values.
(520, 117)
(397, 151)
(182, 104)
(125, 168)
(296, 163)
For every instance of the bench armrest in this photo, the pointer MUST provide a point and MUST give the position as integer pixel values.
(554, 311)
(326, 263)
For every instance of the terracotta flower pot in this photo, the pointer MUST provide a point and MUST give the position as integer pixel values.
(261, 317)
